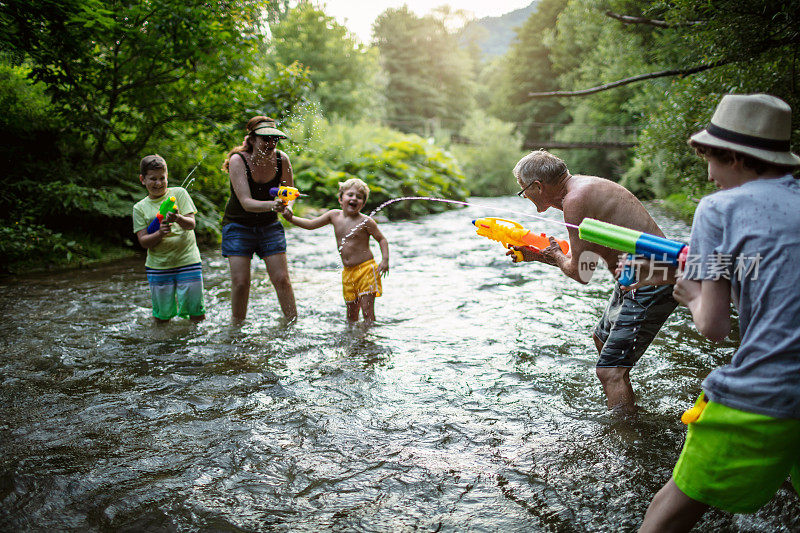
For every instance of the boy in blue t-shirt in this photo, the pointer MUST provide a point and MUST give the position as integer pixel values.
(745, 247)
(173, 264)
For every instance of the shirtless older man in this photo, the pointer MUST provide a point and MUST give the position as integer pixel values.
(632, 318)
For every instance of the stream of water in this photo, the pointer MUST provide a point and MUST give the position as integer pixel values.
(471, 404)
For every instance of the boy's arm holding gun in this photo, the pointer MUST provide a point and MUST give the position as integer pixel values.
(150, 240)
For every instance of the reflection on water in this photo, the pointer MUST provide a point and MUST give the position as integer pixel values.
(472, 404)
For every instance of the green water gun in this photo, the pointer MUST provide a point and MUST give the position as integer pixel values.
(166, 206)
(635, 243)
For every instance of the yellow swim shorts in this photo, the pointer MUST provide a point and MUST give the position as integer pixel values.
(361, 279)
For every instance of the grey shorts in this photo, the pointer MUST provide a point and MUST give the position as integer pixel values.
(630, 323)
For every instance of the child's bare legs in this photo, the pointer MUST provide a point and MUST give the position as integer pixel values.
(364, 303)
(278, 270)
(240, 286)
(352, 310)
(368, 307)
(672, 510)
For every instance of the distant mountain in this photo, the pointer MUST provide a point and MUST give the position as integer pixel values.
(496, 33)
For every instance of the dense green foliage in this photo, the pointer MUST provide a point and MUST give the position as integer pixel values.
(428, 75)
(757, 44)
(576, 44)
(343, 72)
(527, 67)
(393, 164)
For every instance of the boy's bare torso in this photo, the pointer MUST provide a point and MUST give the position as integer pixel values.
(352, 237)
(602, 199)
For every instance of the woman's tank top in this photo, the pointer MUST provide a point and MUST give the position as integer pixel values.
(234, 212)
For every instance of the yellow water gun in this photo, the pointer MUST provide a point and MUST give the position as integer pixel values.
(287, 194)
(694, 412)
(512, 233)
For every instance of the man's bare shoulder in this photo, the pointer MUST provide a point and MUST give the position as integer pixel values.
(590, 194)
(608, 201)
(583, 193)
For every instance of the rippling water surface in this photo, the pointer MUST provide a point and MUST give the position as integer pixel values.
(471, 405)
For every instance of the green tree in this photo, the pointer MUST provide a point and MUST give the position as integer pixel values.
(122, 73)
(428, 74)
(754, 46)
(525, 68)
(95, 85)
(585, 46)
(343, 72)
(689, 53)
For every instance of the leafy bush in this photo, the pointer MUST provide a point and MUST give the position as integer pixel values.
(393, 164)
(26, 245)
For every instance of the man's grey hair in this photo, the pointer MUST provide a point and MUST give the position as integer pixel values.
(540, 165)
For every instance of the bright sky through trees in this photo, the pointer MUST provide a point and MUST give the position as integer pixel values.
(358, 15)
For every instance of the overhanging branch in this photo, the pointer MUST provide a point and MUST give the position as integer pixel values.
(629, 19)
(626, 81)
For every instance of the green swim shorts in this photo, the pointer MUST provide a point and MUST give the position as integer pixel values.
(177, 291)
(735, 460)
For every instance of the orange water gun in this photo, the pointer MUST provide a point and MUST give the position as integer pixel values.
(512, 233)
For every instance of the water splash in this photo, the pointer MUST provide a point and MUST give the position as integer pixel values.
(448, 201)
(184, 185)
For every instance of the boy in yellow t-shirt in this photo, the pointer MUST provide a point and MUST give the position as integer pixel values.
(173, 264)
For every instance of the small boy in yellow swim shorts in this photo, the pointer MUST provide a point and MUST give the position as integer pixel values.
(361, 277)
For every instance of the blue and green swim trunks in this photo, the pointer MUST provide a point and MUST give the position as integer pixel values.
(735, 460)
(177, 291)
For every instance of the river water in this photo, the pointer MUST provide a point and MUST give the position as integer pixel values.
(471, 405)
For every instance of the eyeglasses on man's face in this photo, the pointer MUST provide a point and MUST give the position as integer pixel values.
(521, 193)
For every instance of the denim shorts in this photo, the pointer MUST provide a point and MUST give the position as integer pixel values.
(630, 323)
(238, 239)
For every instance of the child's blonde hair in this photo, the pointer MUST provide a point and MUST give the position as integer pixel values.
(354, 182)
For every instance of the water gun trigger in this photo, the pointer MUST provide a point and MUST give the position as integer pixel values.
(539, 245)
(518, 257)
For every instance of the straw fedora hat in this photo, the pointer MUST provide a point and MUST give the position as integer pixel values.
(758, 125)
(267, 128)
